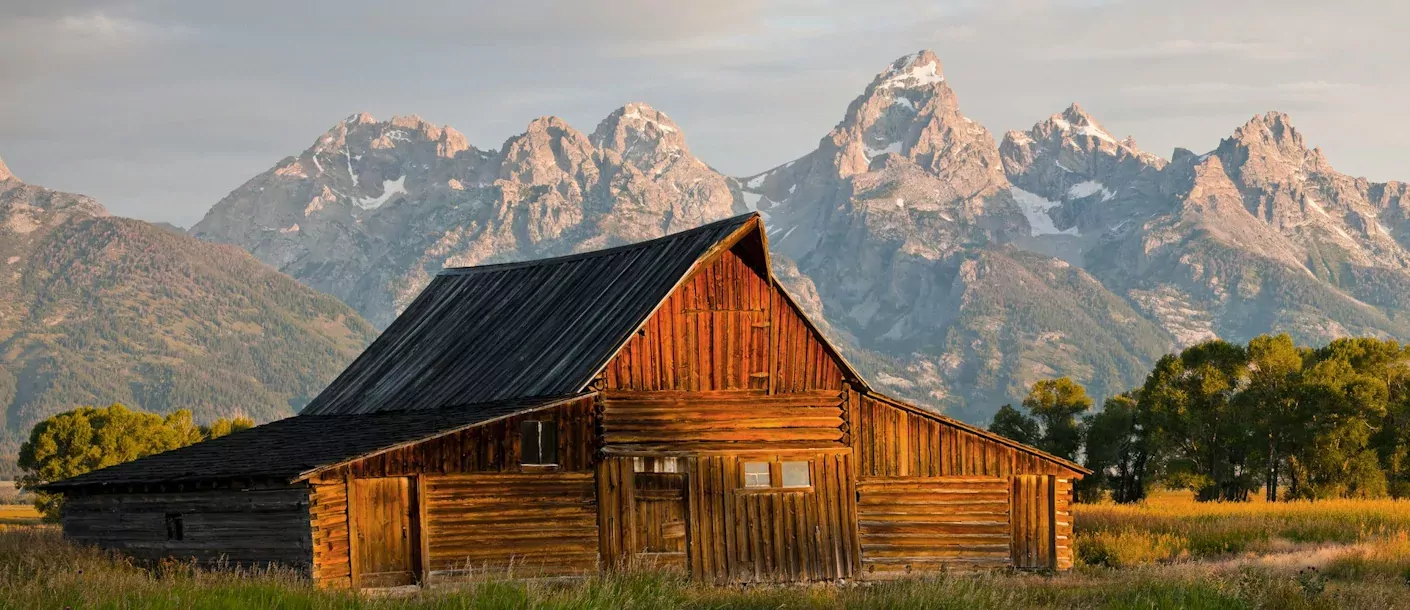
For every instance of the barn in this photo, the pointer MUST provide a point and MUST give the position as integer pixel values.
(663, 403)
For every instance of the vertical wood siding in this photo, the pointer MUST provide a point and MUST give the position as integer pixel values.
(256, 527)
(919, 524)
(776, 535)
(801, 361)
(524, 525)
(894, 442)
(616, 491)
(1032, 519)
(719, 331)
(712, 333)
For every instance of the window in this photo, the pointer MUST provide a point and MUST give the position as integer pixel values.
(756, 474)
(795, 474)
(175, 528)
(538, 443)
(656, 464)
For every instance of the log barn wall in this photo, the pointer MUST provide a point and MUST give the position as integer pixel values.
(901, 446)
(744, 419)
(525, 525)
(1062, 515)
(473, 485)
(261, 526)
(912, 524)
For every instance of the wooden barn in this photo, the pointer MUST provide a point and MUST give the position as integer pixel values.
(664, 402)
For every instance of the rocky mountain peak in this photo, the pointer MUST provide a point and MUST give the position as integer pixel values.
(640, 134)
(909, 110)
(1267, 154)
(917, 71)
(360, 118)
(1071, 156)
(5, 171)
(1272, 128)
(549, 152)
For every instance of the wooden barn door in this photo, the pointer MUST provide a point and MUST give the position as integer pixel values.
(384, 530)
(1031, 515)
(660, 518)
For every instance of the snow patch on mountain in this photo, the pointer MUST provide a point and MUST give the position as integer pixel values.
(1035, 208)
(909, 75)
(390, 188)
(872, 153)
(1089, 188)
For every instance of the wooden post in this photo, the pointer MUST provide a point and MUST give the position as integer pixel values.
(423, 532)
(353, 568)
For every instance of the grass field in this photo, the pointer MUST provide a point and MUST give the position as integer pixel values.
(1168, 553)
(18, 514)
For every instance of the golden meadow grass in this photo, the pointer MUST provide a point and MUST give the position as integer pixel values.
(1175, 554)
(18, 514)
(1171, 526)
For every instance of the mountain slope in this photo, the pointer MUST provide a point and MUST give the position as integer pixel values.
(98, 309)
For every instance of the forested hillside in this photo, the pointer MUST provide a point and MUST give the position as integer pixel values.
(96, 309)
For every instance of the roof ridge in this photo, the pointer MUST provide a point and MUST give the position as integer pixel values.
(566, 258)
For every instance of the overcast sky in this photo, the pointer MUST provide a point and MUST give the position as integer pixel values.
(159, 108)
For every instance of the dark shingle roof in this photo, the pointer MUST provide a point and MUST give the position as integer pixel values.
(290, 448)
(536, 328)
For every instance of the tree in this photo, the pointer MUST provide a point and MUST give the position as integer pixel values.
(1055, 404)
(88, 438)
(1119, 448)
(1341, 409)
(1388, 362)
(1275, 369)
(1207, 435)
(222, 427)
(1010, 423)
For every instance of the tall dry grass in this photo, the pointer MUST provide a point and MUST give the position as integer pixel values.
(1172, 526)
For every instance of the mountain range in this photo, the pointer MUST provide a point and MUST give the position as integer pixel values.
(955, 268)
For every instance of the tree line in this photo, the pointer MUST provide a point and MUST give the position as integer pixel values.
(1228, 420)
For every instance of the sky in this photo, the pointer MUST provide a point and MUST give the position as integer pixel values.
(159, 108)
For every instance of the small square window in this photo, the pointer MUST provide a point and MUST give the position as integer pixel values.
(538, 443)
(175, 527)
(756, 474)
(795, 474)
